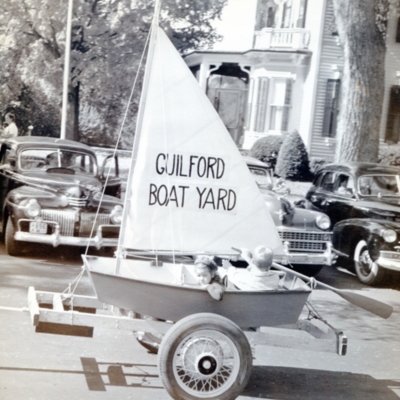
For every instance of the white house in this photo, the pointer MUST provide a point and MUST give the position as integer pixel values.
(285, 74)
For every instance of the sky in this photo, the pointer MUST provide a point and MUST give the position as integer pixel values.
(236, 25)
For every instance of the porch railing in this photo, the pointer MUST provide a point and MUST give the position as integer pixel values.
(272, 38)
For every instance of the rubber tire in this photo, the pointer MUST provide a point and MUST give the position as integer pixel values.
(307, 269)
(189, 325)
(376, 274)
(13, 247)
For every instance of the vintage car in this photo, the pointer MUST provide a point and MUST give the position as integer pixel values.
(50, 190)
(305, 233)
(363, 201)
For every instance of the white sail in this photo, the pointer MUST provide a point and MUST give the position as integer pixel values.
(191, 189)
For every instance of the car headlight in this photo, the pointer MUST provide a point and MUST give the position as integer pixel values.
(116, 215)
(323, 222)
(32, 208)
(389, 235)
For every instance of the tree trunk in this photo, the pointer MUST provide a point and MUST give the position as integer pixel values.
(72, 131)
(363, 80)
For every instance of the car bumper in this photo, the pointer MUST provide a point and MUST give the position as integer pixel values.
(56, 239)
(299, 258)
(389, 259)
(325, 258)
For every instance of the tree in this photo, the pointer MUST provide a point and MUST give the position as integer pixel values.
(108, 40)
(361, 26)
(292, 160)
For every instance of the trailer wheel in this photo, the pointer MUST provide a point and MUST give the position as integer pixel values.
(205, 356)
(368, 271)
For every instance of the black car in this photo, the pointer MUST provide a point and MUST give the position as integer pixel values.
(363, 202)
(51, 192)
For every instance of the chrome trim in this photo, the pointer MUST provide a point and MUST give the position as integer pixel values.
(57, 239)
(77, 201)
(301, 241)
(387, 260)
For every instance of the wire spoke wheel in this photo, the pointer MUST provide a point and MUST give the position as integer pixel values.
(205, 356)
(207, 362)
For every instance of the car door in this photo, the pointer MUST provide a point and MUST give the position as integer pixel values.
(340, 203)
(321, 190)
(109, 176)
(7, 162)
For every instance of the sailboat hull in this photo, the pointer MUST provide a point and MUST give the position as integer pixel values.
(156, 292)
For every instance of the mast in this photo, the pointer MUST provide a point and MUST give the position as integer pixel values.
(66, 72)
(139, 123)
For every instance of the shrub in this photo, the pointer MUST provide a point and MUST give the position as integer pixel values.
(389, 155)
(292, 160)
(267, 148)
(316, 163)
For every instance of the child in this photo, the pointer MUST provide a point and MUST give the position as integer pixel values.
(206, 271)
(257, 276)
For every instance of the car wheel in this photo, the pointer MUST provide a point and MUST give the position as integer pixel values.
(307, 269)
(205, 356)
(368, 271)
(13, 247)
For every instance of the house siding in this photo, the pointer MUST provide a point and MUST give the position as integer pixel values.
(392, 65)
(331, 54)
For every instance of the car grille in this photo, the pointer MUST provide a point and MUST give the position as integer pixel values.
(68, 218)
(77, 201)
(306, 241)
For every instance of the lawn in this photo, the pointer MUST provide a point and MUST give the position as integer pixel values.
(298, 188)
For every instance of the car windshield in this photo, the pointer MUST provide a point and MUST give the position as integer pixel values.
(44, 159)
(262, 177)
(379, 185)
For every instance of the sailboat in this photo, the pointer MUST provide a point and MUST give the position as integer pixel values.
(189, 192)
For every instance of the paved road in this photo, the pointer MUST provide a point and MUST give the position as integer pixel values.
(112, 365)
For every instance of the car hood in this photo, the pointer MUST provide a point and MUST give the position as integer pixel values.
(384, 207)
(286, 215)
(75, 184)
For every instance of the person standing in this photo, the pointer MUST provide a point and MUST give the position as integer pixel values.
(11, 130)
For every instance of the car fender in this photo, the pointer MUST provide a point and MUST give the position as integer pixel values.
(347, 235)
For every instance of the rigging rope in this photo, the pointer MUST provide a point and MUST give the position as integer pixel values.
(76, 281)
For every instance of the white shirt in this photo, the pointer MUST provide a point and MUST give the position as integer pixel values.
(253, 279)
(10, 131)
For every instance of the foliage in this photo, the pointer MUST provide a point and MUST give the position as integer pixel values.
(315, 164)
(108, 40)
(292, 160)
(267, 148)
(389, 155)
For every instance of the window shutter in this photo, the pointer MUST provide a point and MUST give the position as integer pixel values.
(331, 108)
(261, 105)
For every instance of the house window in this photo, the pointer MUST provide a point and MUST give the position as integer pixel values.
(301, 20)
(249, 106)
(280, 105)
(393, 120)
(287, 14)
(331, 108)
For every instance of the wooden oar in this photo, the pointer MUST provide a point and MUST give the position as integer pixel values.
(376, 307)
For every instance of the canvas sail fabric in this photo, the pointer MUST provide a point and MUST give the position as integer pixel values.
(191, 189)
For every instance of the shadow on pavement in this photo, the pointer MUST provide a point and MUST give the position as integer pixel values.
(308, 384)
